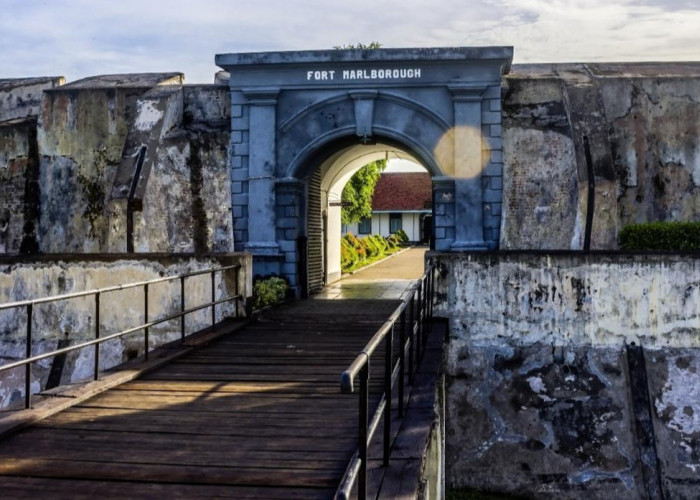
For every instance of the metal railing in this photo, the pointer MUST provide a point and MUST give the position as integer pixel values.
(145, 326)
(412, 319)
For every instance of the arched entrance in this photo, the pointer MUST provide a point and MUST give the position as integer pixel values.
(301, 122)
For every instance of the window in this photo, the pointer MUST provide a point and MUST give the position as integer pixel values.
(394, 223)
(364, 226)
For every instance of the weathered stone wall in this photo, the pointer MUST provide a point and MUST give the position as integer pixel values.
(571, 374)
(20, 103)
(186, 204)
(115, 163)
(18, 186)
(72, 321)
(22, 97)
(641, 124)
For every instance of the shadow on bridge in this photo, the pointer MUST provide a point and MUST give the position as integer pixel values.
(256, 414)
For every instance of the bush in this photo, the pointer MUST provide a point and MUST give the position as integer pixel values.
(355, 251)
(681, 236)
(269, 291)
(402, 236)
(374, 249)
(357, 244)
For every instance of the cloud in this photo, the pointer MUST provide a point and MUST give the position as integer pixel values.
(78, 38)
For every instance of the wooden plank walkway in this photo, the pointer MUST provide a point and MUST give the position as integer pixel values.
(256, 414)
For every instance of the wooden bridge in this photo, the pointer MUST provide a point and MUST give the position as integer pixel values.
(256, 413)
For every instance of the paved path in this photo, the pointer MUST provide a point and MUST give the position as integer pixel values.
(387, 279)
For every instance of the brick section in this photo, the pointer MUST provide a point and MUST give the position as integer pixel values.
(238, 152)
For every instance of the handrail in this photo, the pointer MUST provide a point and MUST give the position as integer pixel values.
(135, 284)
(97, 293)
(413, 331)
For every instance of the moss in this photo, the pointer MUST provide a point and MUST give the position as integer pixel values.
(199, 214)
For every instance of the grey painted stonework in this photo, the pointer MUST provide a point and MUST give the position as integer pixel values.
(290, 111)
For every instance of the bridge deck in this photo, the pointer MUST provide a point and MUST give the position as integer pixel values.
(257, 414)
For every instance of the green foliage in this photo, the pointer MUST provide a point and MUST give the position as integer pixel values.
(359, 46)
(402, 236)
(358, 252)
(675, 236)
(357, 194)
(269, 291)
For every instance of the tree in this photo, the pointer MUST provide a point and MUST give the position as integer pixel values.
(358, 192)
(359, 46)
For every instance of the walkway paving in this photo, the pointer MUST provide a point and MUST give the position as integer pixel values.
(256, 414)
(387, 279)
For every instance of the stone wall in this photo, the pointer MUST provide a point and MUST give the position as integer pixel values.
(114, 163)
(68, 322)
(641, 126)
(20, 102)
(572, 374)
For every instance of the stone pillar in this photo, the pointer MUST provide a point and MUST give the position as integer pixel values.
(468, 162)
(444, 213)
(290, 213)
(261, 171)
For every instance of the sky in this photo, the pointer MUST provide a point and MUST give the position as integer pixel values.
(79, 38)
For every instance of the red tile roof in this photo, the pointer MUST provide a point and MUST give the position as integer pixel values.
(403, 191)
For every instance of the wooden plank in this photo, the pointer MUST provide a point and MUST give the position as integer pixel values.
(198, 424)
(150, 443)
(74, 469)
(71, 489)
(180, 420)
(232, 387)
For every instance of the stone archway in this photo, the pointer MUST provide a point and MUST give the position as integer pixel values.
(292, 112)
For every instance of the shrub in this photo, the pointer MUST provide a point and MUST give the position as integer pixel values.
(660, 236)
(269, 291)
(381, 242)
(373, 248)
(357, 244)
(393, 241)
(402, 236)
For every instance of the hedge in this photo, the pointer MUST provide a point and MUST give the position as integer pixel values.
(660, 236)
(356, 252)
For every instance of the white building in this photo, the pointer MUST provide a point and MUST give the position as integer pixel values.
(401, 200)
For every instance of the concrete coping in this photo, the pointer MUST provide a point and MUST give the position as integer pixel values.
(127, 80)
(438, 54)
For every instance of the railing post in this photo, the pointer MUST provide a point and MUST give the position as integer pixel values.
(213, 299)
(96, 373)
(145, 318)
(411, 336)
(419, 337)
(388, 355)
(28, 366)
(402, 360)
(432, 291)
(239, 301)
(182, 308)
(362, 434)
